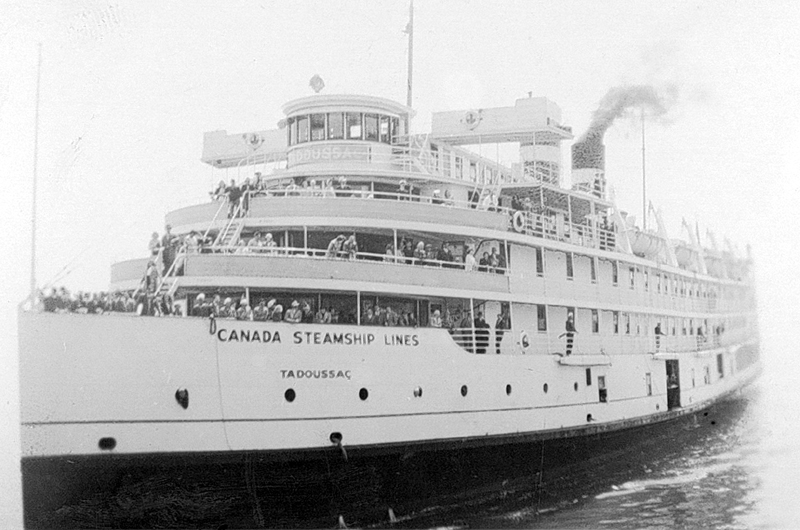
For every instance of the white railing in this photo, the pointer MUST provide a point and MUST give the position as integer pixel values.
(321, 254)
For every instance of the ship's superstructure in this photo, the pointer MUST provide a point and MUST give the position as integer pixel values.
(481, 304)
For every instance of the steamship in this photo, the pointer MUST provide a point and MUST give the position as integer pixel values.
(484, 306)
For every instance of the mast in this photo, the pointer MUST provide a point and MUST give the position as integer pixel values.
(644, 181)
(410, 31)
(35, 177)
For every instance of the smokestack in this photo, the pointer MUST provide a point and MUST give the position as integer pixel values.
(589, 151)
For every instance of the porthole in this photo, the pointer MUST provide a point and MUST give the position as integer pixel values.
(363, 394)
(289, 395)
(107, 444)
(418, 392)
(588, 417)
(508, 390)
(575, 386)
(464, 390)
(544, 388)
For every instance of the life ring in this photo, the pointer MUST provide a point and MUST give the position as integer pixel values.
(524, 341)
(519, 221)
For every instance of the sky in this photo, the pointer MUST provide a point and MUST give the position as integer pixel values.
(129, 88)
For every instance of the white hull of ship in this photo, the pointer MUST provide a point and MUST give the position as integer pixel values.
(85, 378)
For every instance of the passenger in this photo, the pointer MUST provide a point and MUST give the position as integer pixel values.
(408, 250)
(481, 333)
(244, 312)
(436, 319)
(430, 255)
(219, 192)
(151, 277)
(392, 317)
(380, 316)
(368, 318)
(342, 189)
(193, 243)
(241, 247)
(501, 264)
(246, 189)
(389, 256)
(494, 260)
(569, 333)
(658, 333)
(469, 260)
(277, 313)
(412, 319)
(234, 195)
(334, 313)
(448, 198)
(199, 308)
(154, 246)
(227, 310)
(307, 316)
(216, 306)
(293, 314)
(256, 242)
(419, 253)
(321, 316)
(328, 190)
(350, 248)
(403, 190)
(335, 247)
(436, 198)
(168, 242)
(483, 264)
(270, 244)
(444, 255)
(500, 326)
(260, 312)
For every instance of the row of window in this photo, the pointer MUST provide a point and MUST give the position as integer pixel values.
(342, 126)
(664, 283)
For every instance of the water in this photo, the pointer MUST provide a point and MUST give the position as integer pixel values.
(736, 467)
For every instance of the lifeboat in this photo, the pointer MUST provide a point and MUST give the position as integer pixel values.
(684, 253)
(644, 244)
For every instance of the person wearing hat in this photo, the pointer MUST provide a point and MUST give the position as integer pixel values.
(244, 312)
(277, 313)
(260, 312)
(154, 245)
(200, 309)
(293, 314)
(335, 247)
(227, 310)
(167, 248)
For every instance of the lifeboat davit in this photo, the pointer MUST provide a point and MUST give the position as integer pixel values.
(645, 244)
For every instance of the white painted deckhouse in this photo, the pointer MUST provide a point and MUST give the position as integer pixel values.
(424, 371)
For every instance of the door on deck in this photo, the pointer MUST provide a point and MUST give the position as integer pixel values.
(673, 385)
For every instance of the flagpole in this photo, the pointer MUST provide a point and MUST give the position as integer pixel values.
(410, 51)
(35, 178)
(644, 181)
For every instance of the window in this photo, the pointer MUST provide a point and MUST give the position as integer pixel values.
(707, 375)
(691, 326)
(292, 131)
(683, 321)
(539, 262)
(627, 324)
(588, 377)
(658, 283)
(459, 168)
(614, 273)
(335, 126)
(317, 127)
(632, 276)
(646, 280)
(353, 120)
(601, 388)
(593, 269)
(541, 317)
(693, 384)
(595, 322)
(384, 130)
(719, 366)
(371, 127)
(302, 129)
(615, 318)
(569, 266)
(395, 128)
(648, 381)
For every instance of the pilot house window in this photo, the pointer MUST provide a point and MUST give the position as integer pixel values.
(371, 127)
(353, 126)
(335, 126)
(317, 127)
